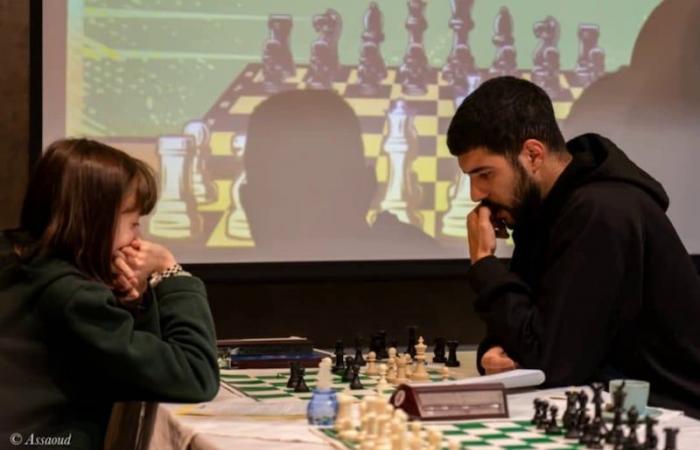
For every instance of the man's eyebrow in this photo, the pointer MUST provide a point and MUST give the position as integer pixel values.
(478, 169)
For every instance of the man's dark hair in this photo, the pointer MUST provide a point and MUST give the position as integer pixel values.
(501, 115)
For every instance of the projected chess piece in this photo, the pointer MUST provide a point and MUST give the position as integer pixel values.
(237, 221)
(505, 62)
(414, 72)
(546, 58)
(396, 145)
(591, 58)
(201, 189)
(460, 206)
(324, 62)
(277, 60)
(460, 62)
(174, 215)
(371, 70)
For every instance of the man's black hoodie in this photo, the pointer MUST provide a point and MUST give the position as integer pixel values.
(600, 285)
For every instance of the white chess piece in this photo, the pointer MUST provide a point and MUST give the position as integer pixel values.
(401, 377)
(174, 215)
(460, 206)
(445, 372)
(409, 365)
(434, 439)
(200, 133)
(416, 438)
(391, 372)
(325, 379)
(345, 402)
(372, 364)
(396, 145)
(382, 384)
(237, 221)
(420, 373)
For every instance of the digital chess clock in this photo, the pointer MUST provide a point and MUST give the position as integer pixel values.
(452, 401)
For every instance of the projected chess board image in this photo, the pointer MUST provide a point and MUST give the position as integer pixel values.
(271, 384)
(485, 435)
(435, 168)
(185, 106)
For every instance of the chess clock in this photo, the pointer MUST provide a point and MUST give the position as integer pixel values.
(452, 402)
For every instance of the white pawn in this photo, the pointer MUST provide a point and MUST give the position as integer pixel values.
(401, 377)
(391, 373)
(434, 439)
(371, 364)
(345, 402)
(445, 373)
(382, 384)
(409, 366)
(416, 439)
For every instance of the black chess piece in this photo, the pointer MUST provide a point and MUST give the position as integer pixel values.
(460, 62)
(552, 426)
(301, 383)
(293, 374)
(412, 340)
(381, 348)
(651, 441)
(439, 350)
(339, 366)
(546, 58)
(536, 417)
(591, 58)
(616, 435)
(542, 420)
(575, 431)
(355, 383)
(585, 428)
(671, 437)
(373, 24)
(505, 61)
(347, 374)
(569, 417)
(452, 360)
(598, 423)
(359, 359)
(324, 62)
(632, 441)
(277, 61)
(371, 70)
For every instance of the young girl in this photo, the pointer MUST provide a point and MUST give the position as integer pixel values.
(90, 314)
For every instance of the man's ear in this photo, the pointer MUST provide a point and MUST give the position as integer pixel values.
(532, 155)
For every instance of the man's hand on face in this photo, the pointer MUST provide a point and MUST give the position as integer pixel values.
(127, 283)
(481, 234)
(496, 360)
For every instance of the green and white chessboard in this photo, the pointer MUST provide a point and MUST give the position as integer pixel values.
(487, 435)
(271, 384)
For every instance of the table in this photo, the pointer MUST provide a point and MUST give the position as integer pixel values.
(177, 431)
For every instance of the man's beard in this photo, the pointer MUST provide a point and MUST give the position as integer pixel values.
(527, 198)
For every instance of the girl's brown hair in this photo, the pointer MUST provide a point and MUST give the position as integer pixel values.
(73, 202)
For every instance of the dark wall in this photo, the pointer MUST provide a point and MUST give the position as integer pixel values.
(331, 309)
(14, 108)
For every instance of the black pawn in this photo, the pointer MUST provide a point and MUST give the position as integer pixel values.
(452, 357)
(552, 426)
(355, 383)
(651, 441)
(412, 341)
(359, 359)
(671, 435)
(536, 418)
(542, 420)
(569, 417)
(347, 374)
(293, 374)
(301, 383)
(339, 366)
(439, 350)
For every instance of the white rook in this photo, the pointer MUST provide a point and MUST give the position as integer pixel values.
(173, 216)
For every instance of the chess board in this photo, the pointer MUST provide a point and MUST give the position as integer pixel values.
(436, 171)
(271, 384)
(487, 435)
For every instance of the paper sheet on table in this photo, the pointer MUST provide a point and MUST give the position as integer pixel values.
(513, 379)
(278, 410)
